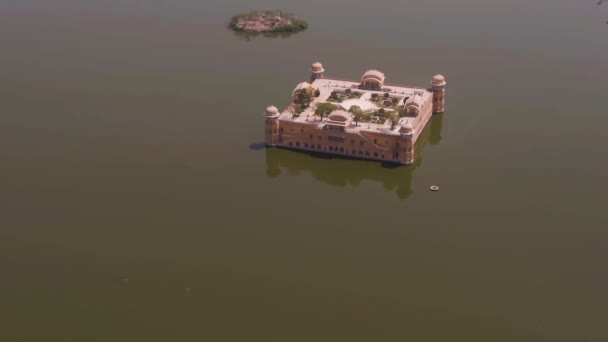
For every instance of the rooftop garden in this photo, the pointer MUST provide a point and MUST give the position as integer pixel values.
(303, 99)
(385, 100)
(325, 108)
(296, 109)
(377, 117)
(339, 95)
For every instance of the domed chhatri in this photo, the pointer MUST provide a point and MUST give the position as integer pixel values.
(316, 71)
(438, 80)
(339, 116)
(438, 88)
(303, 85)
(368, 119)
(317, 67)
(267, 22)
(373, 79)
(272, 111)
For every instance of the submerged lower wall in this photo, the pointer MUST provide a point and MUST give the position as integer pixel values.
(365, 144)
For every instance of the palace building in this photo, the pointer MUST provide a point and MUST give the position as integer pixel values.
(365, 119)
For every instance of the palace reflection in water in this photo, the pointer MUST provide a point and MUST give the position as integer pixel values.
(343, 172)
(249, 36)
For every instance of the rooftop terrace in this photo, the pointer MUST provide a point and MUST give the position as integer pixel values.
(376, 104)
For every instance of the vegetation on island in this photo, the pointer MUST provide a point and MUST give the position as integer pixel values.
(357, 113)
(389, 112)
(302, 100)
(385, 100)
(267, 22)
(379, 116)
(305, 96)
(340, 96)
(325, 108)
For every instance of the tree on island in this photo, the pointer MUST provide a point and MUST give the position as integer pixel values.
(305, 96)
(295, 112)
(324, 108)
(401, 111)
(394, 119)
(357, 113)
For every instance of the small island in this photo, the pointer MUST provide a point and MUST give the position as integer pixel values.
(267, 22)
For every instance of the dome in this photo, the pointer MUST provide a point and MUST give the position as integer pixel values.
(415, 101)
(303, 85)
(407, 128)
(372, 79)
(272, 111)
(438, 80)
(317, 67)
(374, 74)
(339, 115)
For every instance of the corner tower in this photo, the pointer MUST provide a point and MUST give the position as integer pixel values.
(438, 88)
(316, 71)
(272, 126)
(406, 143)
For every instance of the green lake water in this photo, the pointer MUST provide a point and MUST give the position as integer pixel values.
(137, 202)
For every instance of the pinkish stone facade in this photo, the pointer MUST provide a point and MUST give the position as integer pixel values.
(338, 132)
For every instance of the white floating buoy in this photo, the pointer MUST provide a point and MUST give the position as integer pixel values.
(434, 188)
